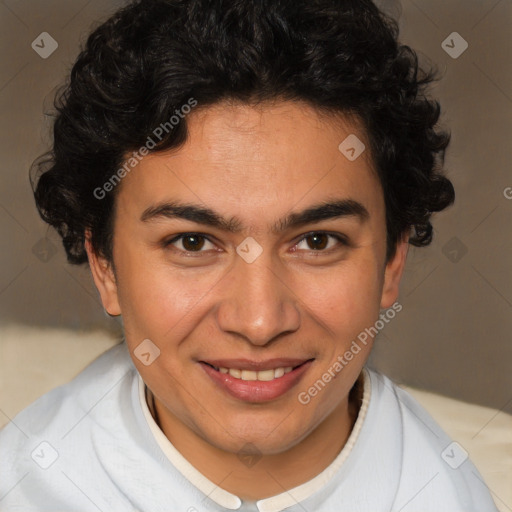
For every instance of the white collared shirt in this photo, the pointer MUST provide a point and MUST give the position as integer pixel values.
(231, 502)
(93, 445)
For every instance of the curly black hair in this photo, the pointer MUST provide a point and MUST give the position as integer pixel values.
(152, 56)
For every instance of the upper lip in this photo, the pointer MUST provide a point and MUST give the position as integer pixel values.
(247, 364)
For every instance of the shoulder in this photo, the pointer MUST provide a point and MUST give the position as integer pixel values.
(435, 470)
(76, 395)
(47, 430)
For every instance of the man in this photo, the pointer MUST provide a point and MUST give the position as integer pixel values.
(243, 180)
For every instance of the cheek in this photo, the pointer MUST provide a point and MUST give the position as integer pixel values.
(160, 302)
(347, 299)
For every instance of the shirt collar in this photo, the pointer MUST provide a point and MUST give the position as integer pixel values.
(275, 503)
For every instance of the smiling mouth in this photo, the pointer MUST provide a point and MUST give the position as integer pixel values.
(256, 381)
(265, 375)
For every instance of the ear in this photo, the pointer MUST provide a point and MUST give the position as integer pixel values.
(104, 278)
(393, 273)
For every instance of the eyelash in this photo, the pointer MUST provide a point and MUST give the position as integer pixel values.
(339, 238)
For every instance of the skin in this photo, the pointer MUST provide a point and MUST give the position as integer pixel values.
(258, 164)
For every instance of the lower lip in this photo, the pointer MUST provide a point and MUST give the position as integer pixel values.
(256, 390)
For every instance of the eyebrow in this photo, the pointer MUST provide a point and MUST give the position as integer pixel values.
(201, 215)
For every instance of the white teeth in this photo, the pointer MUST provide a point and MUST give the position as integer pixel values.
(263, 375)
(235, 373)
(267, 375)
(249, 375)
(278, 372)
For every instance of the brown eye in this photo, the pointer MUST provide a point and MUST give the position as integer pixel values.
(318, 241)
(193, 242)
(190, 242)
(321, 242)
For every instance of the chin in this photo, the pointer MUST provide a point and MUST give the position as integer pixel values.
(267, 436)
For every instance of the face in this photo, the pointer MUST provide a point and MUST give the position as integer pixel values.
(227, 258)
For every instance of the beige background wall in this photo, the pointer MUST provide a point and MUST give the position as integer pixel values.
(453, 335)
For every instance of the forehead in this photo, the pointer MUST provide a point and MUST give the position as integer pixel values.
(243, 159)
(292, 134)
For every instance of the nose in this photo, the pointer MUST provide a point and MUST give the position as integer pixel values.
(258, 305)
